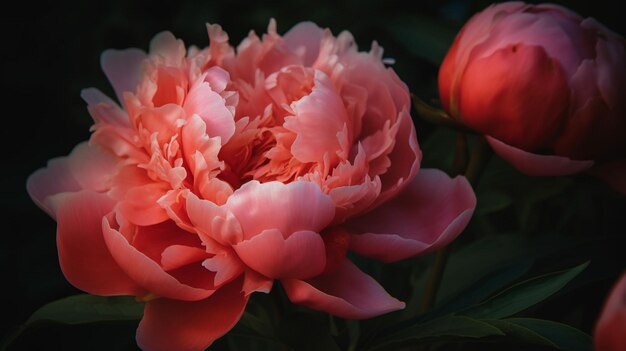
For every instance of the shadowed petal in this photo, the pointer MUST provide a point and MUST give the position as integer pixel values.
(190, 326)
(609, 330)
(146, 272)
(86, 167)
(538, 165)
(123, 69)
(346, 292)
(613, 173)
(305, 36)
(431, 212)
(83, 254)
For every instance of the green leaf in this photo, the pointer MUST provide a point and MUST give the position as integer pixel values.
(86, 308)
(544, 332)
(523, 295)
(82, 309)
(492, 201)
(486, 287)
(448, 327)
(477, 260)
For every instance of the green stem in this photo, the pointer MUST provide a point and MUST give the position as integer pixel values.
(473, 170)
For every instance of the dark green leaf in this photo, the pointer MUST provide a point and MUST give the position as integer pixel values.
(523, 295)
(82, 309)
(448, 327)
(479, 259)
(492, 201)
(89, 309)
(486, 286)
(544, 332)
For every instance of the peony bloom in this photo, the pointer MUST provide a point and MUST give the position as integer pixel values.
(545, 85)
(222, 171)
(610, 330)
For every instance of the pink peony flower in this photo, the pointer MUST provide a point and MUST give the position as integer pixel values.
(545, 85)
(224, 171)
(610, 330)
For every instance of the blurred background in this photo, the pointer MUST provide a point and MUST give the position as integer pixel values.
(51, 51)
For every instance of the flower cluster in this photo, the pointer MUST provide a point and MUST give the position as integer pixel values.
(219, 172)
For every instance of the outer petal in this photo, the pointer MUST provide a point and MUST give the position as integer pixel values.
(190, 326)
(431, 212)
(123, 69)
(274, 205)
(305, 36)
(613, 173)
(518, 94)
(147, 272)
(86, 167)
(83, 254)
(610, 330)
(538, 165)
(346, 292)
(301, 255)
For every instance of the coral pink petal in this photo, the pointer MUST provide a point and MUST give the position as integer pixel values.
(319, 118)
(538, 165)
(346, 292)
(213, 220)
(45, 183)
(190, 326)
(86, 167)
(300, 256)
(305, 36)
(146, 272)
(405, 158)
(210, 106)
(256, 282)
(177, 256)
(292, 207)
(431, 212)
(83, 254)
(226, 265)
(613, 173)
(123, 69)
(609, 330)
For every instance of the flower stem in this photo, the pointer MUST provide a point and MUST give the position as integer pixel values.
(473, 169)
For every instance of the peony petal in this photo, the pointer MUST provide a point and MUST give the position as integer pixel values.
(190, 326)
(609, 330)
(318, 118)
(83, 254)
(211, 107)
(214, 221)
(347, 292)
(613, 173)
(147, 272)
(86, 167)
(305, 36)
(256, 282)
(301, 255)
(405, 157)
(226, 265)
(177, 256)
(499, 92)
(123, 69)
(431, 212)
(292, 207)
(538, 165)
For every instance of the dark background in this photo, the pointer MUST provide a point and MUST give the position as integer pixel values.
(50, 51)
